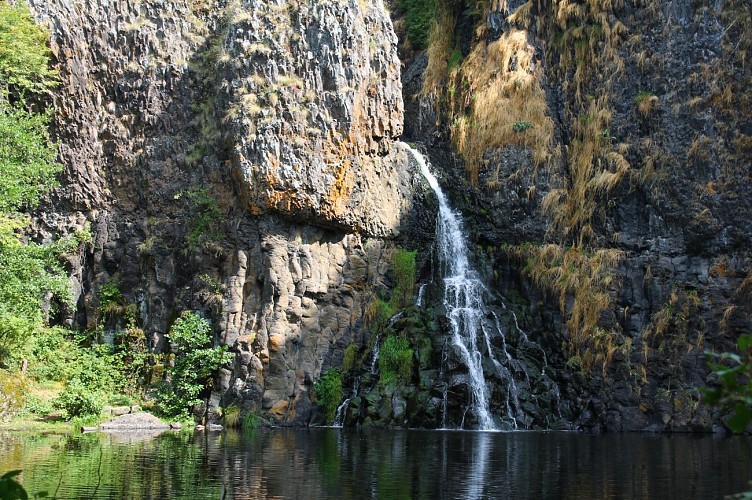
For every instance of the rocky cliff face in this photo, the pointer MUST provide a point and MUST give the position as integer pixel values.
(239, 158)
(612, 193)
(236, 158)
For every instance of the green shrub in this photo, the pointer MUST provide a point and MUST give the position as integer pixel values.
(24, 53)
(251, 421)
(395, 360)
(734, 390)
(403, 263)
(329, 392)
(419, 14)
(454, 60)
(205, 219)
(522, 126)
(195, 361)
(27, 169)
(350, 358)
(79, 400)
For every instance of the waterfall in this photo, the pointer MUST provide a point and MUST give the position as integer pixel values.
(463, 296)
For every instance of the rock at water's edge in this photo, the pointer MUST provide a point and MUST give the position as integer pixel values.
(134, 421)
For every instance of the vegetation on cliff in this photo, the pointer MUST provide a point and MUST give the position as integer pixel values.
(28, 271)
(47, 368)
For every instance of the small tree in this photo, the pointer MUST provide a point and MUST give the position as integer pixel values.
(195, 360)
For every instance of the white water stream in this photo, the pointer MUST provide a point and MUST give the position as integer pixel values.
(463, 296)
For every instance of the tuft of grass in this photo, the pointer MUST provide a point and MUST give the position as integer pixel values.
(585, 277)
(231, 416)
(395, 360)
(646, 103)
(251, 421)
(500, 90)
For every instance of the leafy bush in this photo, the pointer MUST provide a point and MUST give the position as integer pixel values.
(206, 216)
(79, 400)
(194, 362)
(403, 263)
(251, 421)
(734, 390)
(329, 392)
(27, 169)
(133, 360)
(349, 359)
(419, 14)
(24, 54)
(395, 360)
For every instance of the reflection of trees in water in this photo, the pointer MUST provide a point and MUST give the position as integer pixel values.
(331, 463)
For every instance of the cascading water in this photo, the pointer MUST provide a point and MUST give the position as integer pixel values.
(463, 296)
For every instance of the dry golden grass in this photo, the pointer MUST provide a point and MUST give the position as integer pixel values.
(500, 102)
(646, 103)
(585, 277)
(440, 45)
(595, 169)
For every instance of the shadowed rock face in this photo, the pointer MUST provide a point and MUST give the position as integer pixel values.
(670, 83)
(235, 157)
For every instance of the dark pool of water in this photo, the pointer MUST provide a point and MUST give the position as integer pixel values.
(332, 463)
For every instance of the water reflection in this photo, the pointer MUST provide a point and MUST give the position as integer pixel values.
(331, 463)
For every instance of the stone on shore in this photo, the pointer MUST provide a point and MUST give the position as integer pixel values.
(133, 422)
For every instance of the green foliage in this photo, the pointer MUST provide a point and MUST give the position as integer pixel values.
(251, 421)
(419, 14)
(378, 314)
(27, 159)
(454, 60)
(329, 392)
(194, 362)
(734, 390)
(10, 489)
(350, 358)
(404, 278)
(110, 296)
(133, 360)
(206, 216)
(231, 417)
(642, 96)
(522, 126)
(395, 360)
(28, 271)
(24, 54)
(79, 400)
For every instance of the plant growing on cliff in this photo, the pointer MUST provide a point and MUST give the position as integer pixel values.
(206, 216)
(194, 362)
(395, 360)
(419, 15)
(29, 272)
(329, 392)
(403, 263)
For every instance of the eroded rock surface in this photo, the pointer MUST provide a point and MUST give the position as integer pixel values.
(237, 158)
